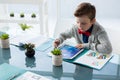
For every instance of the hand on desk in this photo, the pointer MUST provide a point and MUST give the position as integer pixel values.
(79, 46)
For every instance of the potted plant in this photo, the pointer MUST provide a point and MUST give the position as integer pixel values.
(4, 40)
(56, 57)
(24, 26)
(11, 14)
(22, 15)
(33, 15)
(30, 52)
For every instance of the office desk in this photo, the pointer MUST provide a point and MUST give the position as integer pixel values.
(42, 65)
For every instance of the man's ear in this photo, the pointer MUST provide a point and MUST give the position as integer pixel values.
(93, 21)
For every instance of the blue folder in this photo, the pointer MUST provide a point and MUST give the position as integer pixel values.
(46, 45)
(7, 72)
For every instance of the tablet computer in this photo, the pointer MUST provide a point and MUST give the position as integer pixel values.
(69, 52)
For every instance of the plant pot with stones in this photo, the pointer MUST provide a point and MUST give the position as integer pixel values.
(33, 15)
(22, 15)
(11, 14)
(56, 57)
(29, 52)
(4, 40)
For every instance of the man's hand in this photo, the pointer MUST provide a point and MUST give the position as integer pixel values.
(56, 43)
(79, 46)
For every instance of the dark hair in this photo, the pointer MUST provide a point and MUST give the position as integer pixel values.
(85, 9)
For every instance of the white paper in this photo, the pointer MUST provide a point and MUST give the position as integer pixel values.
(31, 76)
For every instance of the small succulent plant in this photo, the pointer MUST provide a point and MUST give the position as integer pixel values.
(22, 15)
(29, 52)
(56, 51)
(4, 36)
(24, 26)
(33, 15)
(11, 14)
(29, 46)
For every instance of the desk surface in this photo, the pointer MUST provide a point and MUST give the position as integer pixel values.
(42, 65)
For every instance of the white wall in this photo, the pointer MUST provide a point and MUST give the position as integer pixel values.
(105, 8)
(21, 1)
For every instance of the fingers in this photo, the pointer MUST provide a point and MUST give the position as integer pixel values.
(56, 43)
(79, 46)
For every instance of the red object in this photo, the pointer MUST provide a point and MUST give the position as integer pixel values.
(85, 33)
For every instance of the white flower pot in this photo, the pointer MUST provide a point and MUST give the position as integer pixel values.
(57, 60)
(5, 43)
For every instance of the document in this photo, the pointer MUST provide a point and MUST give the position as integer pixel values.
(31, 76)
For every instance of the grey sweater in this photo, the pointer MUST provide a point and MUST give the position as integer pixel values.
(97, 41)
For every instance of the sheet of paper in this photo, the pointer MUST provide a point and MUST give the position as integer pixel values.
(31, 76)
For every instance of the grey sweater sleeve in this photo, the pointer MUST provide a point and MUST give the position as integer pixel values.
(102, 45)
(65, 35)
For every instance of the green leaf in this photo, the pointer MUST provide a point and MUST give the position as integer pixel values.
(4, 36)
(56, 51)
(24, 26)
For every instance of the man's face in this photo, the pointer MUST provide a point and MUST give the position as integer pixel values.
(84, 23)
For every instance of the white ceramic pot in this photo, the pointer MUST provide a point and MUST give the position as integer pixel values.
(5, 43)
(57, 60)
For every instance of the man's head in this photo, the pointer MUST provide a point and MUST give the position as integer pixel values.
(85, 15)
